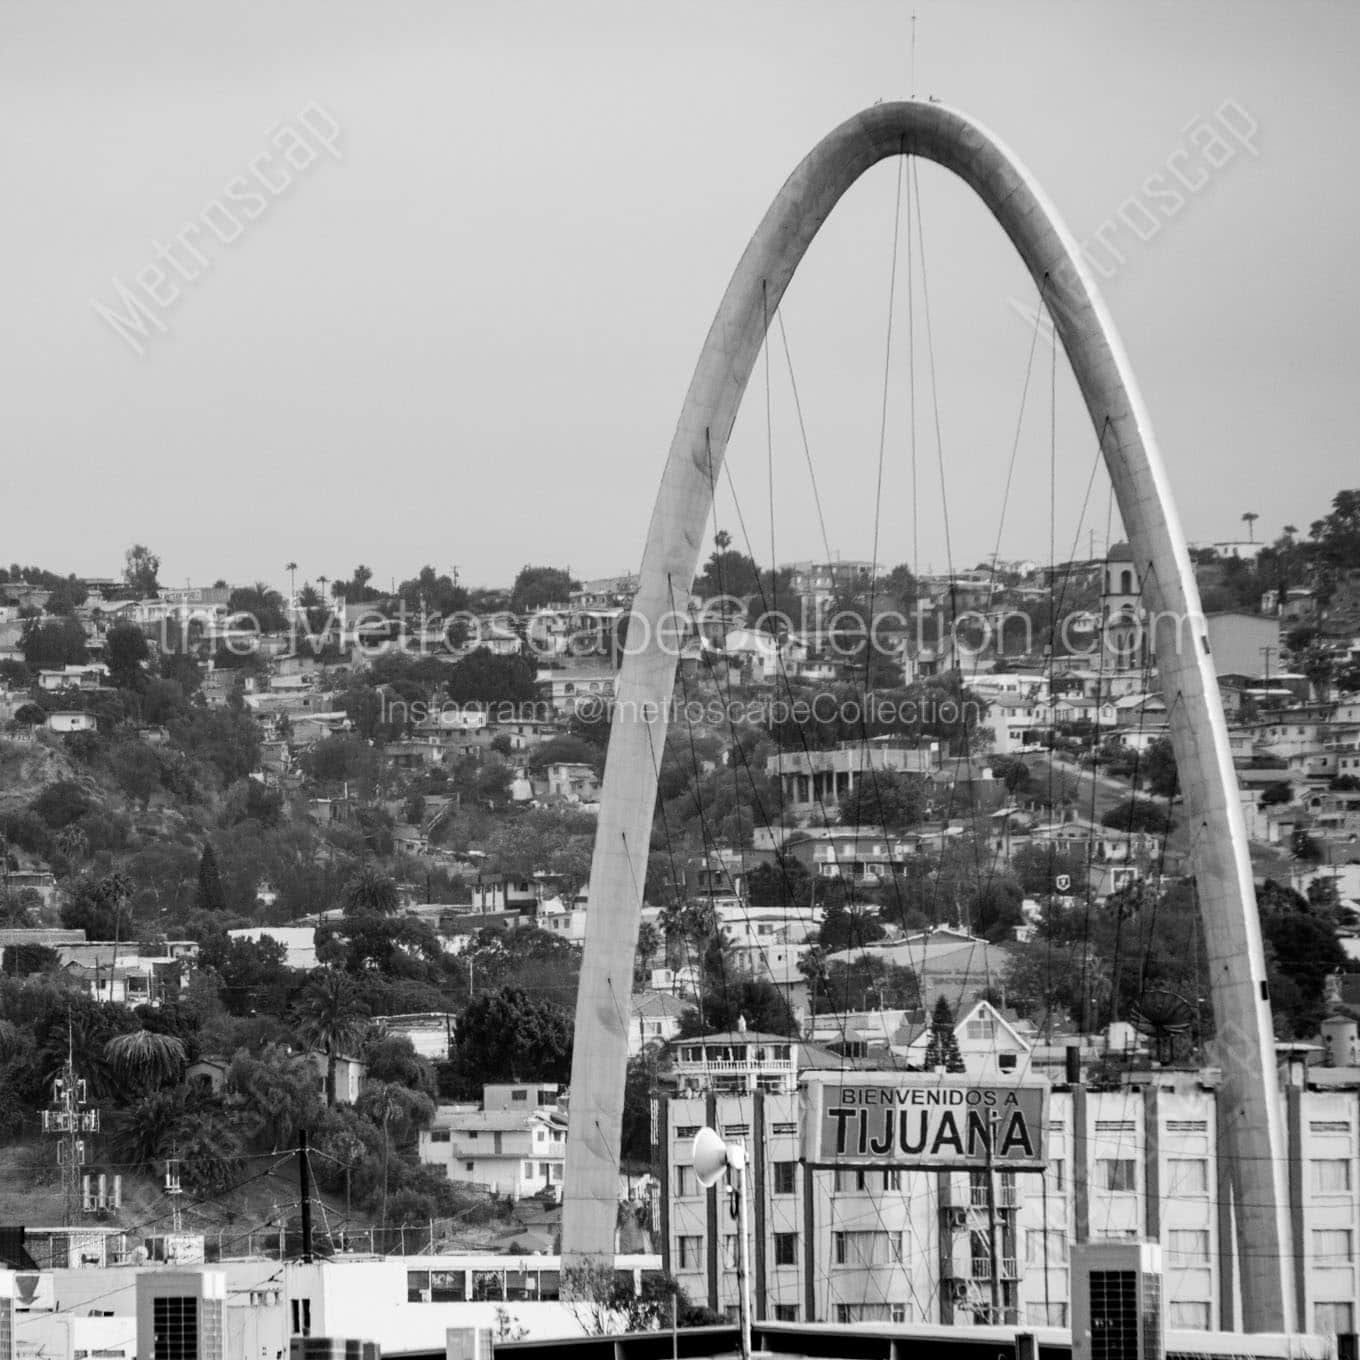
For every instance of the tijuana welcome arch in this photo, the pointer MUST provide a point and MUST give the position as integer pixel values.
(1250, 1119)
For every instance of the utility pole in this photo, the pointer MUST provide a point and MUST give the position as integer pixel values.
(1268, 652)
(305, 1196)
(993, 1118)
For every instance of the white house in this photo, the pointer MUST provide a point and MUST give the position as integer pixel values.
(516, 1145)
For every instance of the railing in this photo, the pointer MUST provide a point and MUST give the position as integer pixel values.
(1007, 1196)
(748, 1067)
(982, 1268)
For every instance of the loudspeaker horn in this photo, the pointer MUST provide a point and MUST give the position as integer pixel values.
(711, 1157)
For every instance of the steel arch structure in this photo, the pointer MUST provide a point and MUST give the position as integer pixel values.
(1251, 1121)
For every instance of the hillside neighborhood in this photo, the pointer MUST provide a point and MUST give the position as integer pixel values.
(315, 862)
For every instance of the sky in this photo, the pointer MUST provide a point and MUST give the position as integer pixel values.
(458, 326)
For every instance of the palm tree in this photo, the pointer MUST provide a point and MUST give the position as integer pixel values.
(1249, 519)
(145, 1061)
(147, 1130)
(291, 569)
(369, 891)
(399, 1111)
(331, 1016)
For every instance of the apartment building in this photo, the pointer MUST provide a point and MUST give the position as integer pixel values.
(863, 1244)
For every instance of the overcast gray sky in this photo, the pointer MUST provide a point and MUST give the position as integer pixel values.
(467, 339)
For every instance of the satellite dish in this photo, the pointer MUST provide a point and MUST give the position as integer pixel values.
(712, 1157)
(1164, 1016)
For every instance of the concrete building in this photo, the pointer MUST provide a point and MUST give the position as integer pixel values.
(812, 779)
(515, 1144)
(253, 1308)
(181, 1315)
(1141, 1161)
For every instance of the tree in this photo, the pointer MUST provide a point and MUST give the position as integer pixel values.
(484, 678)
(1012, 772)
(140, 566)
(785, 883)
(728, 572)
(369, 892)
(53, 644)
(100, 907)
(144, 1061)
(509, 1036)
(125, 654)
(730, 1000)
(1304, 949)
(536, 587)
(1138, 814)
(265, 606)
(330, 1016)
(884, 798)
(1249, 519)
(846, 926)
(942, 1048)
(210, 895)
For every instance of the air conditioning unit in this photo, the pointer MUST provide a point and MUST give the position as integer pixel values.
(958, 1291)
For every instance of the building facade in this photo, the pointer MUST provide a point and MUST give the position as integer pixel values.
(1137, 1163)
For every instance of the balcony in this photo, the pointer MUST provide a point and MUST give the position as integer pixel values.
(731, 1068)
(982, 1268)
(1007, 1196)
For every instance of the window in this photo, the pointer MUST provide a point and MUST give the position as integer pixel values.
(468, 1166)
(528, 1171)
(1331, 1175)
(440, 1135)
(897, 1312)
(1046, 1314)
(1188, 1176)
(849, 1181)
(1116, 1173)
(545, 1169)
(1331, 1246)
(782, 1129)
(1188, 1246)
(175, 1323)
(785, 1177)
(866, 1248)
(1188, 1314)
(686, 1130)
(845, 1314)
(448, 1286)
(786, 1312)
(686, 1183)
(690, 1250)
(1331, 1319)
(786, 1249)
(302, 1318)
(729, 1251)
(519, 1097)
(980, 1026)
(1043, 1248)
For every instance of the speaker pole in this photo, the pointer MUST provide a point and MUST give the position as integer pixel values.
(737, 1162)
